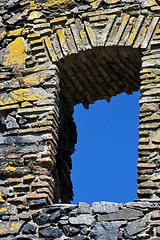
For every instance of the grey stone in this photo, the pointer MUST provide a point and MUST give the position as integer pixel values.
(82, 219)
(105, 231)
(34, 204)
(137, 205)
(12, 3)
(5, 218)
(155, 238)
(85, 231)
(83, 207)
(125, 214)
(74, 10)
(10, 227)
(153, 205)
(50, 232)
(84, 7)
(80, 238)
(23, 237)
(158, 231)
(11, 123)
(25, 216)
(7, 209)
(135, 227)
(42, 219)
(13, 218)
(11, 132)
(28, 228)
(55, 216)
(63, 222)
(65, 208)
(2, 183)
(70, 231)
(105, 207)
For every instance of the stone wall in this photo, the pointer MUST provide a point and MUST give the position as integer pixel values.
(102, 221)
(54, 55)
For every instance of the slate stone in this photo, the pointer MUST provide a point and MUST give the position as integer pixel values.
(77, 238)
(74, 10)
(29, 228)
(12, 3)
(11, 132)
(7, 209)
(153, 205)
(50, 232)
(105, 207)
(13, 218)
(70, 231)
(42, 219)
(135, 227)
(80, 238)
(85, 231)
(23, 237)
(25, 216)
(155, 238)
(158, 231)
(37, 203)
(84, 7)
(105, 231)
(82, 219)
(2, 183)
(125, 214)
(11, 123)
(55, 216)
(10, 227)
(66, 206)
(63, 222)
(83, 207)
(23, 144)
(5, 218)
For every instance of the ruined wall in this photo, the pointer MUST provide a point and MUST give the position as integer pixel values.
(54, 55)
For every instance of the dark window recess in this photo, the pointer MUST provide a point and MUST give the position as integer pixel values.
(2, 124)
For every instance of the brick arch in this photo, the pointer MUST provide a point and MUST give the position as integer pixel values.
(53, 55)
(51, 61)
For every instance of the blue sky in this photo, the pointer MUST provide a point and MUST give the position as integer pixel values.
(104, 164)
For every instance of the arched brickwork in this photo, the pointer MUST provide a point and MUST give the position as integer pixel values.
(54, 55)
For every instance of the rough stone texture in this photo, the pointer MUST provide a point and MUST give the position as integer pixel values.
(105, 231)
(54, 55)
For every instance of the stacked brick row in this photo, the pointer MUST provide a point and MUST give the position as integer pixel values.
(54, 55)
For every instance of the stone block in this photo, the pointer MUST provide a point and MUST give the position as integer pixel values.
(125, 214)
(83, 207)
(82, 219)
(135, 227)
(50, 232)
(105, 207)
(105, 231)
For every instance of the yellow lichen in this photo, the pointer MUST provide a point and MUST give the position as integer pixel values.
(17, 32)
(50, 48)
(1, 198)
(1, 232)
(9, 169)
(3, 209)
(65, 4)
(15, 52)
(33, 79)
(21, 95)
(61, 35)
(158, 138)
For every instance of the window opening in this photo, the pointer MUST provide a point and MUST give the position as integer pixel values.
(104, 164)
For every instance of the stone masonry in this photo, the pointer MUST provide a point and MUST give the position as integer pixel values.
(55, 54)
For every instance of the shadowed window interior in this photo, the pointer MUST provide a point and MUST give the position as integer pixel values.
(104, 164)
